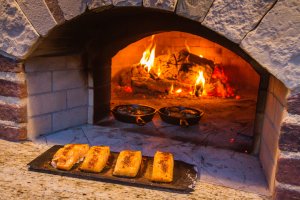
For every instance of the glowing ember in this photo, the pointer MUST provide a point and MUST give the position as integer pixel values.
(148, 56)
(171, 89)
(232, 140)
(187, 46)
(200, 56)
(128, 89)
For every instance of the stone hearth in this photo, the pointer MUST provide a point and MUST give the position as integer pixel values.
(47, 80)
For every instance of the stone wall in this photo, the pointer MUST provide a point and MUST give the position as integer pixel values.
(13, 93)
(265, 30)
(57, 94)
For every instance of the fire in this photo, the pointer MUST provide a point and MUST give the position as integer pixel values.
(178, 91)
(148, 56)
(187, 46)
(199, 84)
(201, 56)
(171, 89)
(158, 71)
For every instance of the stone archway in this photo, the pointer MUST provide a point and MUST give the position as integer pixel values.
(267, 30)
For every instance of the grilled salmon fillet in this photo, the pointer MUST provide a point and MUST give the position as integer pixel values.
(128, 163)
(67, 156)
(96, 159)
(163, 166)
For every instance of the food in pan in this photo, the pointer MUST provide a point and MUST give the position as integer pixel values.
(163, 166)
(95, 159)
(128, 163)
(66, 157)
(180, 112)
(134, 110)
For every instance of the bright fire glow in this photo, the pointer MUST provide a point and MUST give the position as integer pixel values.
(158, 71)
(171, 89)
(201, 56)
(187, 46)
(148, 56)
(200, 79)
(178, 91)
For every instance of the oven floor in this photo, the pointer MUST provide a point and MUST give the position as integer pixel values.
(226, 123)
(220, 171)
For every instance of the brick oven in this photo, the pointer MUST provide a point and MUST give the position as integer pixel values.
(66, 64)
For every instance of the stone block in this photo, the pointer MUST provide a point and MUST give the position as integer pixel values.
(68, 79)
(91, 97)
(39, 125)
(127, 2)
(10, 65)
(290, 137)
(13, 113)
(270, 106)
(293, 104)
(12, 89)
(92, 4)
(55, 10)
(39, 82)
(274, 43)
(70, 118)
(268, 164)
(234, 19)
(193, 9)
(168, 5)
(288, 170)
(46, 103)
(90, 115)
(286, 192)
(280, 91)
(270, 138)
(46, 64)
(17, 35)
(38, 14)
(13, 133)
(72, 8)
(74, 62)
(77, 97)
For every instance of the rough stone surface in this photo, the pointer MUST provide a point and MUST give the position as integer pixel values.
(286, 192)
(92, 4)
(193, 9)
(12, 89)
(9, 65)
(17, 36)
(169, 5)
(13, 133)
(77, 97)
(127, 2)
(72, 8)
(38, 14)
(275, 43)
(234, 19)
(293, 104)
(290, 138)
(55, 10)
(288, 170)
(13, 113)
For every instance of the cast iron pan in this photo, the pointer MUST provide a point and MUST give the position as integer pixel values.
(134, 113)
(179, 115)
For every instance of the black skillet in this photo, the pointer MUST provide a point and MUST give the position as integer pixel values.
(179, 115)
(134, 113)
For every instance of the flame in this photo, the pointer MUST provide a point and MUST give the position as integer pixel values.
(178, 91)
(148, 56)
(200, 79)
(201, 56)
(171, 89)
(187, 46)
(158, 71)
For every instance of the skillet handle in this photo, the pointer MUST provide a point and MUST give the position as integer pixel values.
(184, 123)
(139, 121)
